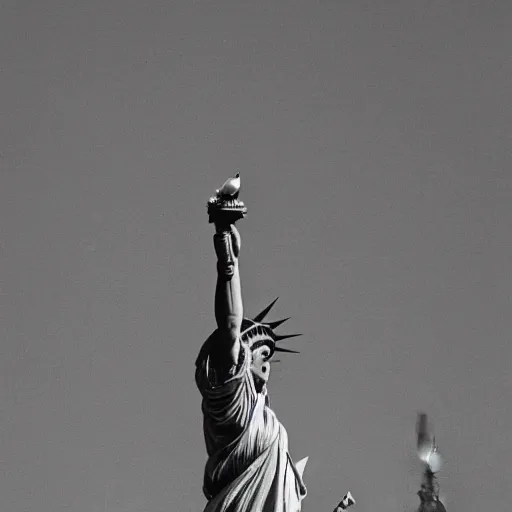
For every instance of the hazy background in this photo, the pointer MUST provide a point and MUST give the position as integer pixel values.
(374, 143)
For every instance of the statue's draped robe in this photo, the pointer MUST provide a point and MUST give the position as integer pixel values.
(249, 468)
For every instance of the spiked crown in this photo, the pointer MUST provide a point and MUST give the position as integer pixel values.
(256, 333)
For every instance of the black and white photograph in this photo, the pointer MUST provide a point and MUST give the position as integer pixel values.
(255, 256)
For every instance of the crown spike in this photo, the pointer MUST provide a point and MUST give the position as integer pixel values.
(277, 323)
(263, 314)
(279, 337)
(288, 350)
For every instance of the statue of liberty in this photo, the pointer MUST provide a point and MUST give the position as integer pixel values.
(249, 467)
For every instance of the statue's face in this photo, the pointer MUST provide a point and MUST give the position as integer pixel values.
(260, 366)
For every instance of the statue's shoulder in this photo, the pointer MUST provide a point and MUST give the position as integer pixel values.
(212, 371)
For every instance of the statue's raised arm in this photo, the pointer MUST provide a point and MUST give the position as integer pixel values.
(224, 210)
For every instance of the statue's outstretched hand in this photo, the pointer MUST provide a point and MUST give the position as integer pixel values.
(227, 247)
(236, 240)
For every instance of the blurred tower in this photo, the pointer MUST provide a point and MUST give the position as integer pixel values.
(429, 494)
(429, 455)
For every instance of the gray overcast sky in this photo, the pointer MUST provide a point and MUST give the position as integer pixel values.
(374, 143)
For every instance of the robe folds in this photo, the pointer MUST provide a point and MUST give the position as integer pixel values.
(249, 468)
